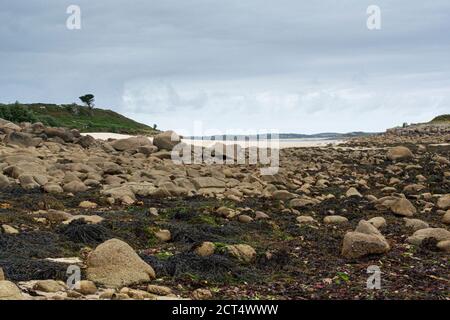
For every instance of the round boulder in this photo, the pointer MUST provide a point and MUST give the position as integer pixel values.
(399, 153)
(166, 140)
(115, 264)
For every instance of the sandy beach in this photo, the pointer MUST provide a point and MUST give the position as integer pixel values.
(281, 143)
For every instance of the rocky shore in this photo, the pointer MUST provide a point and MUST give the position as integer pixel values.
(139, 226)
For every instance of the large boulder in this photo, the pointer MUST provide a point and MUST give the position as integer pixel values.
(302, 202)
(115, 264)
(399, 153)
(334, 219)
(440, 234)
(282, 195)
(22, 139)
(130, 143)
(166, 140)
(61, 133)
(9, 291)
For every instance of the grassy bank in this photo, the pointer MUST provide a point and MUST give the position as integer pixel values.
(441, 118)
(73, 116)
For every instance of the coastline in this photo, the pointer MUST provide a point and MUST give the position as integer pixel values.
(282, 143)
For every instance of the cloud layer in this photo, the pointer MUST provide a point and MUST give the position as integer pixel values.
(287, 65)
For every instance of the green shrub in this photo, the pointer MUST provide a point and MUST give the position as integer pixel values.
(49, 121)
(17, 113)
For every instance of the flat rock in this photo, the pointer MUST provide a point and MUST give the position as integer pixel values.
(415, 224)
(208, 182)
(439, 234)
(334, 219)
(49, 286)
(159, 290)
(305, 219)
(282, 195)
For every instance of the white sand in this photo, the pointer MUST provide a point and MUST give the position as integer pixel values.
(282, 143)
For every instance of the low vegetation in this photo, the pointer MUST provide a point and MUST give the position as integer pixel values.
(441, 118)
(75, 117)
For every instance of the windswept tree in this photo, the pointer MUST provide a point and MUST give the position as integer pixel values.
(88, 100)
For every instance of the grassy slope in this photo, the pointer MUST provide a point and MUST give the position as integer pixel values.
(442, 118)
(75, 116)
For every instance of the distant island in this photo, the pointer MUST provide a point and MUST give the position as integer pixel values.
(324, 136)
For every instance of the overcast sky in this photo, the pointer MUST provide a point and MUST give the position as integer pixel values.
(286, 65)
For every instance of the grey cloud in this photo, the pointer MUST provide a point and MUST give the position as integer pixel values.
(307, 58)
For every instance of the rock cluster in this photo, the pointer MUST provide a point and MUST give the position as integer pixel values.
(362, 199)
